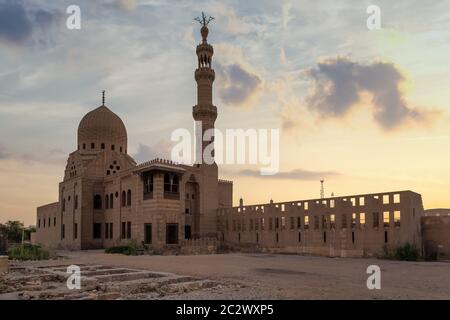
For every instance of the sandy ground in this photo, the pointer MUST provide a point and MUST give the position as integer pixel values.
(267, 276)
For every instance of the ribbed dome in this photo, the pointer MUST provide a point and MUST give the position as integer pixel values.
(102, 129)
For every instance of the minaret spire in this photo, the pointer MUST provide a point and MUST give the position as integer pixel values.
(205, 113)
(103, 97)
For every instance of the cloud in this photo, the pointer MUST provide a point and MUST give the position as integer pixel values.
(17, 24)
(238, 87)
(161, 149)
(286, 13)
(339, 82)
(296, 174)
(128, 5)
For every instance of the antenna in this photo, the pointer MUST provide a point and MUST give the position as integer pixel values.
(322, 191)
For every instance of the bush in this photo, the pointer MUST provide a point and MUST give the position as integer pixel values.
(28, 252)
(407, 252)
(130, 249)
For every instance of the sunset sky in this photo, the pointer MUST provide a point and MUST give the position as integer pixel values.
(366, 110)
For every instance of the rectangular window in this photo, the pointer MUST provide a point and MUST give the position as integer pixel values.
(332, 221)
(277, 223)
(111, 230)
(262, 223)
(63, 231)
(123, 230)
(385, 237)
(396, 198)
(386, 218)
(299, 236)
(353, 237)
(361, 201)
(324, 237)
(106, 230)
(362, 219)
(306, 224)
(324, 222)
(172, 233)
(353, 220)
(54, 221)
(332, 203)
(376, 219)
(75, 230)
(148, 233)
(397, 218)
(97, 228)
(344, 221)
(299, 222)
(129, 230)
(292, 223)
(270, 224)
(386, 199)
(283, 223)
(306, 205)
(256, 224)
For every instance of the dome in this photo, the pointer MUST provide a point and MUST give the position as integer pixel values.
(102, 129)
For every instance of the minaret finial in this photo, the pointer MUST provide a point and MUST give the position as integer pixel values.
(103, 97)
(204, 21)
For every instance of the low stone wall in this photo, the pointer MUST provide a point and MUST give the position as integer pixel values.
(3, 264)
(199, 246)
(436, 237)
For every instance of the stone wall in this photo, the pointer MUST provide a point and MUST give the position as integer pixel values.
(436, 237)
(357, 225)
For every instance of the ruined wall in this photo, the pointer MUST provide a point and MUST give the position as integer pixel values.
(47, 235)
(436, 237)
(358, 225)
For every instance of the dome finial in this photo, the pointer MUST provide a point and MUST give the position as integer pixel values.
(103, 97)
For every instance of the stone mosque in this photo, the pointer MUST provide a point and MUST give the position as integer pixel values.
(107, 199)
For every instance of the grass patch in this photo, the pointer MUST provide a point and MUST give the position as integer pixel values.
(27, 252)
(406, 252)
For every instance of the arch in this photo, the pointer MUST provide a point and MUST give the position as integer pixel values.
(97, 202)
(124, 198)
(129, 198)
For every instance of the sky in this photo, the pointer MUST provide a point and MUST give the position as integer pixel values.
(365, 110)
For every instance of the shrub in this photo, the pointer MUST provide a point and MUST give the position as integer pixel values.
(28, 252)
(130, 249)
(407, 252)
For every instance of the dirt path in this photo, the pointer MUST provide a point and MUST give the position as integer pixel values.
(290, 276)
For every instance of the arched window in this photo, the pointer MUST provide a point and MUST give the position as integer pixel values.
(92, 145)
(166, 182)
(76, 202)
(103, 146)
(124, 198)
(121, 149)
(97, 201)
(111, 201)
(129, 198)
(175, 184)
(84, 145)
(107, 202)
(112, 147)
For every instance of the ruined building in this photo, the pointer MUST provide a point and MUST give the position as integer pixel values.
(107, 199)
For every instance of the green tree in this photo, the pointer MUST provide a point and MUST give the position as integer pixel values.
(12, 230)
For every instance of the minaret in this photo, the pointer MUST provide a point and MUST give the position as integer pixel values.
(204, 111)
